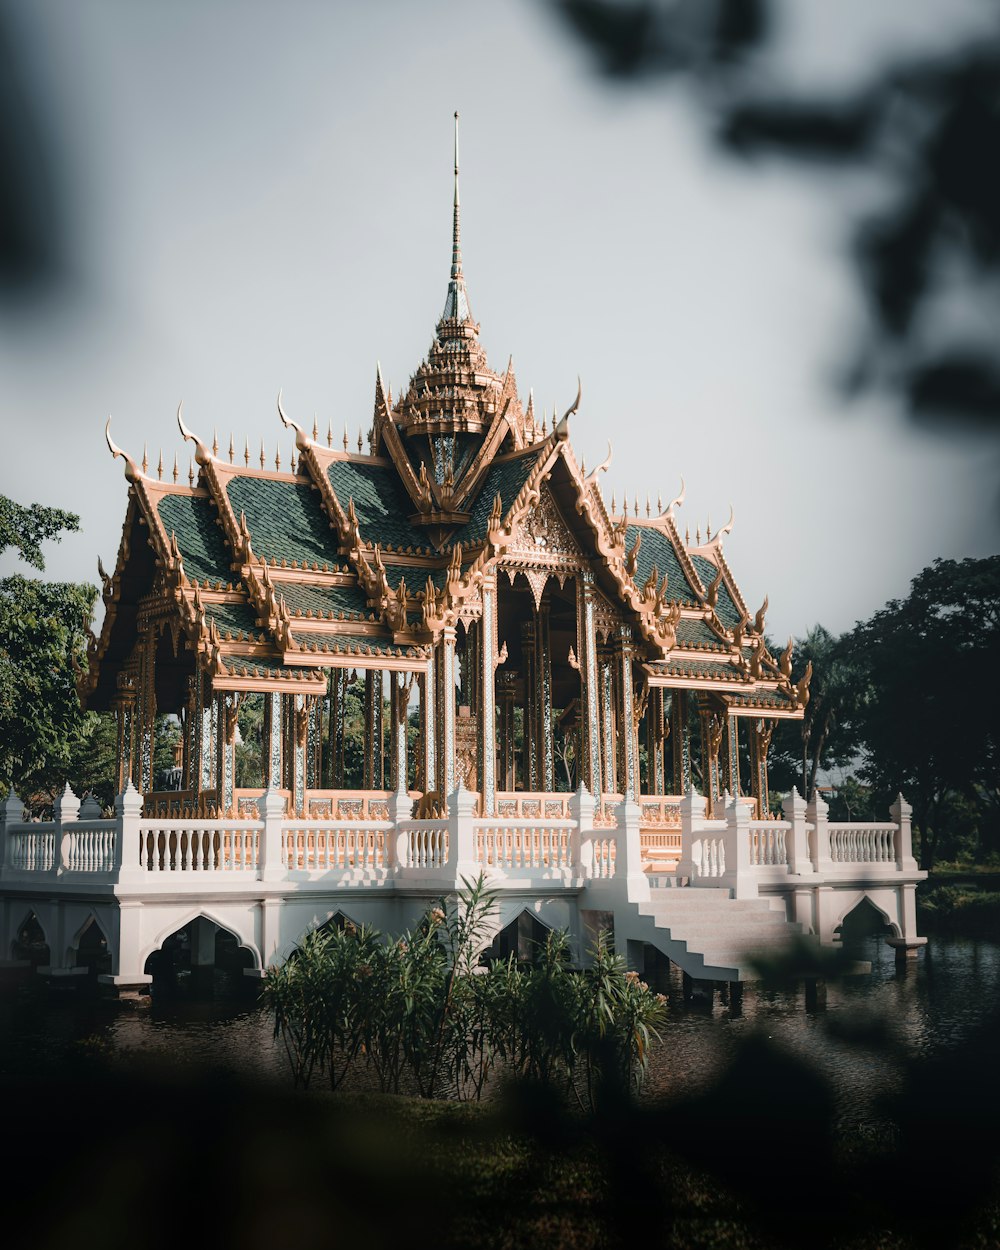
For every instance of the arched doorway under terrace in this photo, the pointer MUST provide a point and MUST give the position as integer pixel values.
(30, 943)
(200, 959)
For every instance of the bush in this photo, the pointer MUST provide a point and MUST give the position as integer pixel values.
(419, 1012)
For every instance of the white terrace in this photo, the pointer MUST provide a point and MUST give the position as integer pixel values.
(711, 894)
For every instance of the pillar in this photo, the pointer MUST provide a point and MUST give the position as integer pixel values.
(401, 686)
(732, 755)
(760, 741)
(607, 680)
(271, 741)
(487, 697)
(428, 726)
(656, 747)
(227, 706)
(125, 722)
(529, 721)
(543, 698)
(590, 705)
(146, 710)
(712, 728)
(446, 685)
(373, 730)
(629, 750)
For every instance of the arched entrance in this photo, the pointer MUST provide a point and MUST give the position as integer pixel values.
(199, 960)
(30, 944)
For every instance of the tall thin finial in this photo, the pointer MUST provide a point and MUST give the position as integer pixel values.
(456, 240)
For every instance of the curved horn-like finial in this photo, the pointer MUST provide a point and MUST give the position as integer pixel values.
(727, 528)
(602, 467)
(131, 468)
(302, 439)
(561, 431)
(674, 503)
(201, 452)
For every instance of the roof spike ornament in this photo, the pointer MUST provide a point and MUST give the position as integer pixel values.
(301, 437)
(215, 442)
(191, 472)
(131, 469)
(672, 506)
(232, 447)
(145, 459)
(263, 454)
(346, 436)
(159, 467)
(201, 452)
(176, 470)
(315, 428)
(246, 450)
(360, 440)
(329, 433)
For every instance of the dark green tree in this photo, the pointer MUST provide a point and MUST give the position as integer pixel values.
(927, 711)
(42, 629)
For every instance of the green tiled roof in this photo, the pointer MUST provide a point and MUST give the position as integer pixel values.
(320, 600)
(202, 544)
(239, 619)
(364, 644)
(266, 666)
(380, 501)
(725, 608)
(711, 669)
(505, 479)
(656, 548)
(285, 520)
(763, 698)
(416, 578)
(698, 634)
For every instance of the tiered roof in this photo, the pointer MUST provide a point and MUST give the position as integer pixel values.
(351, 559)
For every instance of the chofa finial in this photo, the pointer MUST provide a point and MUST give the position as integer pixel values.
(131, 468)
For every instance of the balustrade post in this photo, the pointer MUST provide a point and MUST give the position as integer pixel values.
(128, 863)
(902, 814)
(65, 811)
(793, 808)
(693, 807)
(581, 808)
(819, 838)
(397, 840)
(628, 853)
(271, 858)
(11, 813)
(739, 874)
(462, 859)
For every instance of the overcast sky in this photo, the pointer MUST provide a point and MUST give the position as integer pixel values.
(259, 196)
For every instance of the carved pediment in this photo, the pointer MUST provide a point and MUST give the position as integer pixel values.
(543, 538)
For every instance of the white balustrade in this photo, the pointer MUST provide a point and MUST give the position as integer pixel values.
(518, 845)
(205, 846)
(767, 843)
(605, 848)
(33, 848)
(427, 843)
(863, 843)
(333, 845)
(90, 846)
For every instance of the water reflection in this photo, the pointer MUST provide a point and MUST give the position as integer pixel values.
(857, 1038)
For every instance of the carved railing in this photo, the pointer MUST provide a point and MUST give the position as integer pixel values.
(873, 843)
(180, 846)
(334, 845)
(767, 843)
(537, 845)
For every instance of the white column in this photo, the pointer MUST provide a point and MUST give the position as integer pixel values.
(487, 699)
(630, 754)
(590, 701)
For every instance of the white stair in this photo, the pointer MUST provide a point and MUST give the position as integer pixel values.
(706, 933)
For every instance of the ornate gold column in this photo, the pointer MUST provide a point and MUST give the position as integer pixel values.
(402, 684)
(760, 742)
(628, 746)
(487, 697)
(446, 704)
(657, 731)
(338, 697)
(428, 726)
(712, 729)
(373, 730)
(125, 717)
(227, 706)
(543, 697)
(590, 707)
(146, 710)
(271, 741)
(732, 755)
(529, 720)
(607, 679)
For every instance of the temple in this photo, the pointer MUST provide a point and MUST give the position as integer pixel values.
(448, 622)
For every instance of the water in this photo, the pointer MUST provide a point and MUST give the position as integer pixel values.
(860, 1039)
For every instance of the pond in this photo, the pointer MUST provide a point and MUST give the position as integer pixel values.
(936, 1003)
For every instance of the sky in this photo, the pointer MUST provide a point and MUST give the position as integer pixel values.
(258, 196)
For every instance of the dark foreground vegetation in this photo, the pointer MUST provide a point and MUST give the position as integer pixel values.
(964, 904)
(119, 1152)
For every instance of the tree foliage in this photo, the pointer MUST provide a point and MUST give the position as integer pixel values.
(923, 128)
(929, 689)
(43, 730)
